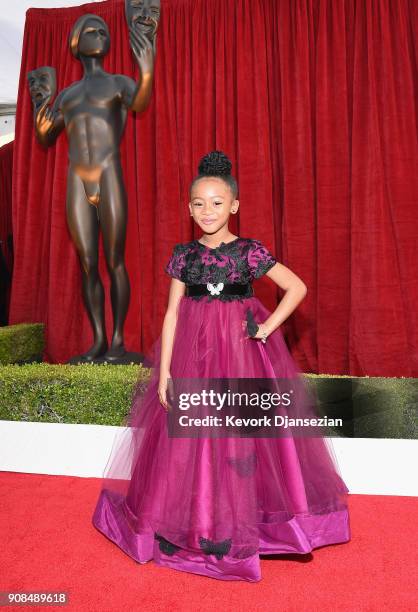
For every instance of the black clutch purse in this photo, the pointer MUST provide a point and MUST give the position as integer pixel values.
(252, 327)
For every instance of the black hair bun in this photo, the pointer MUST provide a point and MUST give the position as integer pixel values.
(215, 163)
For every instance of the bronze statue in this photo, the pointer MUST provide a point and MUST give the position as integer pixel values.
(93, 112)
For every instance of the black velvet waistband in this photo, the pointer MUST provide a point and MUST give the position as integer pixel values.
(217, 289)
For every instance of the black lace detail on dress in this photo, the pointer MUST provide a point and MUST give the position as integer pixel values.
(219, 549)
(238, 261)
(176, 263)
(260, 259)
(165, 546)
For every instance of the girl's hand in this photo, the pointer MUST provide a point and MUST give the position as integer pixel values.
(163, 392)
(257, 331)
(262, 333)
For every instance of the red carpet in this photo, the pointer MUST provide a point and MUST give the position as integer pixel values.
(48, 543)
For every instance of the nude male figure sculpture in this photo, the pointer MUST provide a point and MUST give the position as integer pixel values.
(93, 112)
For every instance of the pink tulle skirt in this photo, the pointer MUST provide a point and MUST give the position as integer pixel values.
(212, 506)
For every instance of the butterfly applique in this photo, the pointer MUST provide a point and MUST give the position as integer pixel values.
(165, 546)
(214, 289)
(252, 326)
(219, 549)
(245, 466)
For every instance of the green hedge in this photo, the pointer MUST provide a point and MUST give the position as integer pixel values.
(21, 343)
(87, 393)
(371, 407)
(374, 407)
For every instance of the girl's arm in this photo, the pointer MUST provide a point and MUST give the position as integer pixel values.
(295, 290)
(177, 289)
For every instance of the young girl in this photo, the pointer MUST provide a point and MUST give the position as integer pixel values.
(209, 505)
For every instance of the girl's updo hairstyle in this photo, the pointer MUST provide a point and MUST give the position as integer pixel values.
(218, 165)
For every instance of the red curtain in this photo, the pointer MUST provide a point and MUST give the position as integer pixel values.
(6, 173)
(315, 101)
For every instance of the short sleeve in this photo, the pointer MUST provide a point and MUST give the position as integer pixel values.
(260, 260)
(176, 262)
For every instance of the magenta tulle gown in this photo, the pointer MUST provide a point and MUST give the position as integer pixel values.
(212, 506)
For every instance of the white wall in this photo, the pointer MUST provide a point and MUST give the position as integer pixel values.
(12, 23)
(7, 129)
(371, 467)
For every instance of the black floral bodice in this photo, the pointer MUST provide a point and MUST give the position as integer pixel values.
(238, 261)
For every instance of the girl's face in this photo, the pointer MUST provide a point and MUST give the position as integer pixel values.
(211, 203)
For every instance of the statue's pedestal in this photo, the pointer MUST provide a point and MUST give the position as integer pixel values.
(125, 359)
